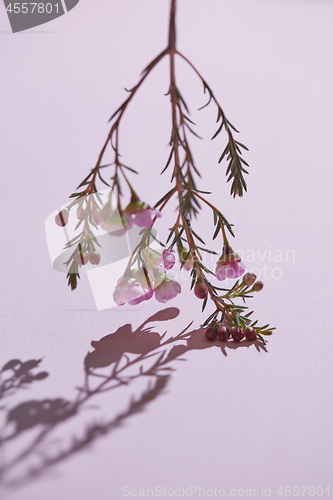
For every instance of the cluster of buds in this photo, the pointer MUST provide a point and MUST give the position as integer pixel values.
(217, 330)
(114, 221)
(236, 333)
(249, 279)
(83, 258)
(118, 222)
(141, 284)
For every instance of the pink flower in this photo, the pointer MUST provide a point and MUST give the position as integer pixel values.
(144, 278)
(167, 290)
(154, 256)
(141, 214)
(229, 264)
(169, 259)
(231, 269)
(127, 290)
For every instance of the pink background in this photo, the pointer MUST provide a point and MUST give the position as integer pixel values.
(246, 420)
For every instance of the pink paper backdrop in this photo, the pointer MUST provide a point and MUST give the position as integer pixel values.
(248, 420)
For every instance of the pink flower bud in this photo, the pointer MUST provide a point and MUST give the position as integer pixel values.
(62, 218)
(95, 215)
(258, 286)
(200, 290)
(82, 258)
(169, 259)
(80, 212)
(95, 258)
(249, 279)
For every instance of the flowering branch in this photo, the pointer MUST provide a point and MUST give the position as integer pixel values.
(146, 273)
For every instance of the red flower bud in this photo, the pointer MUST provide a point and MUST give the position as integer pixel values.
(200, 290)
(258, 286)
(249, 279)
(250, 333)
(62, 218)
(223, 333)
(211, 333)
(237, 334)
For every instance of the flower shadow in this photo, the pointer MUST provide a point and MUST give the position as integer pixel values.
(117, 360)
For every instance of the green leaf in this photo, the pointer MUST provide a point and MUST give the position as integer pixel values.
(234, 128)
(156, 239)
(197, 236)
(173, 190)
(242, 145)
(74, 195)
(73, 275)
(185, 259)
(210, 318)
(171, 231)
(205, 268)
(227, 149)
(217, 230)
(168, 162)
(243, 161)
(207, 250)
(192, 131)
(187, 118)
(130, 168)
(261, 338)
(217, 132)
(154, 62)
(181, 98)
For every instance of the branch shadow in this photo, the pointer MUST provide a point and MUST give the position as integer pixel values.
(117, 360)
